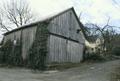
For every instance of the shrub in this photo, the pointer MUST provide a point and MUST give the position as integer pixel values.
(95, 57)
(38, 51)
(11, 54)
(1, 56)
(6, 51)
(16, 57)
(116, 51)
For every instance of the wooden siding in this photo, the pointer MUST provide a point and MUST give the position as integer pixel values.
(66, 25)
(57, 49)
(62, 50)
(12, 36)
(75, 51)
(28, 36)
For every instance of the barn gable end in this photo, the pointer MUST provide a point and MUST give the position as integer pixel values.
(66, 24)
(65, 43)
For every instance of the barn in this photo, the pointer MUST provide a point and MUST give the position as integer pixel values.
(59, 34)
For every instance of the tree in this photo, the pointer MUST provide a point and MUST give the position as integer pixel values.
(106, 33)
(2, 24)
(15, 13)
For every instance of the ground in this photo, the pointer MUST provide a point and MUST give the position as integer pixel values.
(85, 72)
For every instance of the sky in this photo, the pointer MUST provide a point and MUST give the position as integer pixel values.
(92, 11)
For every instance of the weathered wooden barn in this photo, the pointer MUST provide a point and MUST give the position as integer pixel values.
(65, 41)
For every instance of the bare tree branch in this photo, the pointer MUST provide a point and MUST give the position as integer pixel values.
(16, 12)
(1, 23)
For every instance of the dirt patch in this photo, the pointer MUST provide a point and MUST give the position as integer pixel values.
(115, 76)
(84, 72)
(63, 66)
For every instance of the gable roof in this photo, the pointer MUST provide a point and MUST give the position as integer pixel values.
(46, 19)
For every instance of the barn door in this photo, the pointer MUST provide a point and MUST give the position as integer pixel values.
(74, 52)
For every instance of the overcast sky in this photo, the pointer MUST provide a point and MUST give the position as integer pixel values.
(93, 11)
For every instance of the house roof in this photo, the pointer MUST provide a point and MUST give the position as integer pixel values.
(46, 19)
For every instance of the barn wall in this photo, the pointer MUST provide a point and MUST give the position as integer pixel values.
(75, 51)
(12, 36)
(57, 49)
(66, 25)
(62, 43)
(27, 34)
(63, 50)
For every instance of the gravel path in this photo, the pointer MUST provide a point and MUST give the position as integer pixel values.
(90, 72)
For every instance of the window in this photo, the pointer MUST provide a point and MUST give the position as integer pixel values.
(78, 30)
